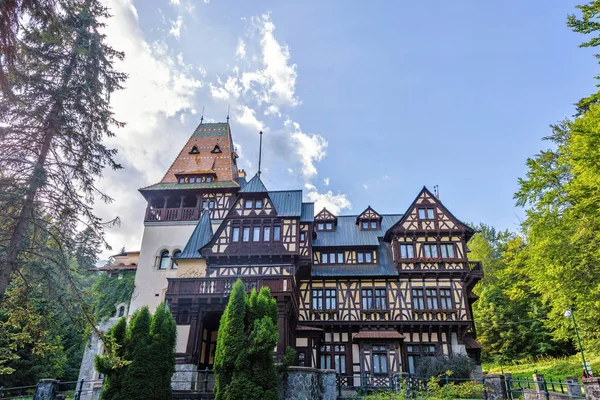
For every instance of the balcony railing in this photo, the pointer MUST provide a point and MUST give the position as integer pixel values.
(172, 214)
(220, 287)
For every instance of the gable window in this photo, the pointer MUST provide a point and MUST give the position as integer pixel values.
(176, 254)
(380, 362)
(430, 251)
(217, 149)
(248, 204)
(246, 234)
(418, 301)
(407, 251)
(320, 226)
(432, 301)
(258, 204)
(256, 234)
(365, 224)
(426, 213)
(276, 233)
(266, 233)
(447, 250)
(329, 226)
(373, 224)
(164, 260)
(235, 234)
(445, 299)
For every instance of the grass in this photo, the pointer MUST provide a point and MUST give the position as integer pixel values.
(551, 368)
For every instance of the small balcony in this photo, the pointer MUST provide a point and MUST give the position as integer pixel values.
(173, 214)
(221, 287)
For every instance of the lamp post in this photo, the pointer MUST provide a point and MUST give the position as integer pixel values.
(569, 314)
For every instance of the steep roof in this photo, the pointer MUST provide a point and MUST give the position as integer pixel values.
(308, 212)
(200, 237)
(288, 203)
(384, 267)
(254, 186)
(347, 233)
(197, 156)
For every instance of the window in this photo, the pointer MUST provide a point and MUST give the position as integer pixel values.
(380, 365)
(258, 204)
(320, 226)
(329, 226)
(445, 299)
(248, 204)
(432, 300)
(194, 150)
(324, 258)
(266, 233)
(365, 224)
(176, 254)
(164, 260)
(339, 358)
(121, 311)
(209, 179)
(246, 234)
(426, 213)
(430, 251)
(181, 180)
(256, 234)
(204, 204)
(302, 236)
(193, 180)
(407, 251)
(317, 299)
(367, 299)
(415, 351)
(373, 224)
(235, 234)
(363, 257)
(330, 299)
(340, 258)
(183, 311)
(276, 233)
(380, 299)
(447, 250)
(418, 302)
(211, 204)
(325, 357)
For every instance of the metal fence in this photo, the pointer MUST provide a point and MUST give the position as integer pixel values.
(73, 390)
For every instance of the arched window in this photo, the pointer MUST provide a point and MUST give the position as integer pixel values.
(164, 260)
(121, 311)
(176, 254)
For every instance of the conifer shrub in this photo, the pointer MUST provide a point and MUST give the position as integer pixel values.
(248, 333)
(143, 357)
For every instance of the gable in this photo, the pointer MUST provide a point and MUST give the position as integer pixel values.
(325, 215)
(427, 213)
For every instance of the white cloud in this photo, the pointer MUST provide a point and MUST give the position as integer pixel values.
(174, 2)
(176, 27)
(275, 83)
(158, 88)
(333, 202)
(365, 186)
(326, 181)
(241, 49)
(272, 110)
(309, 147)
(247, 116)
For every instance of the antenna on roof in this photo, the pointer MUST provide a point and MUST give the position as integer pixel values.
(260, 152)
(228, 113)
(202, 116)
(436, 191)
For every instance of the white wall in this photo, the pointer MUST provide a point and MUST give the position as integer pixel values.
(151, 282)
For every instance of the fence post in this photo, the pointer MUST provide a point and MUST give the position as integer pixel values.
(338, 382)
(46, 389)
(78, 394)
(591, 388)
(573, 388)
(496, 388)
(206, 379)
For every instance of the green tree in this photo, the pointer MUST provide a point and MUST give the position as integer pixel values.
(142, 361)
(248, 333)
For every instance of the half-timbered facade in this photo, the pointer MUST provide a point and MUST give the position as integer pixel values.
(365, 294)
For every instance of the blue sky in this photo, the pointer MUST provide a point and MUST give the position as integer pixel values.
(362, 103)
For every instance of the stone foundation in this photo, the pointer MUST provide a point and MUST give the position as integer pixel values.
(303, 383)
(592, 388)
(185, 377)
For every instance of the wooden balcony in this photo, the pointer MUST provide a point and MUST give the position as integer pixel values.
(221, 287)
(173, 214)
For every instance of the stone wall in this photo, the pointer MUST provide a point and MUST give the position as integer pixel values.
(592, 388)
(303, 383)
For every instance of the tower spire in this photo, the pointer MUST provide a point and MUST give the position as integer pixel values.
(260, 151)
(202, 116)
(228, 113)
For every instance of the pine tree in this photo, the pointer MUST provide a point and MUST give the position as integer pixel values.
(231, 339)
(57, 74)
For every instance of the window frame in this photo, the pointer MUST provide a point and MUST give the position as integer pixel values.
(423, 213)
(235, 234)
(266, 234)
(258, 204)
(162, 259)
(379, 353)
(277, 233)
(256, 234)
(406, 246)
(176, 253)
(444, 247)
(421, 297)
(430, 246)
(249, 204)
(246, 234)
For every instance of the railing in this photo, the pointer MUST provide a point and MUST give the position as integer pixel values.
(76, 390)
(222, 286)
(173, 214)
(202, 381)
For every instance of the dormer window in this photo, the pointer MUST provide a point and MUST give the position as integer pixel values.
(196, 178)
(369, 220)
(194, 150)
(325, 221)
(426, 213)
(253, 204)
(217, 149)
(369, 224)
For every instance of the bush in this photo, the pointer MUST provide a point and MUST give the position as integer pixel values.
(460, 365)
